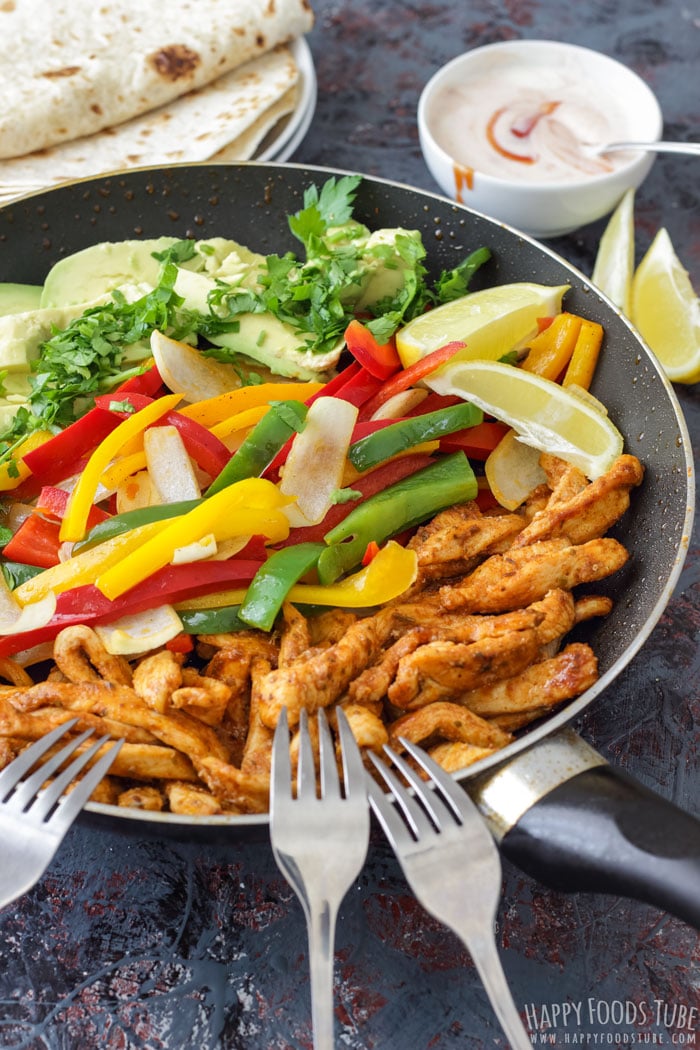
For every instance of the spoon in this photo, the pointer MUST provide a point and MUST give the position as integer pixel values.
(655, 147)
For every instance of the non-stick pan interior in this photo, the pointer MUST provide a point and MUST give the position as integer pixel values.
(250, 203)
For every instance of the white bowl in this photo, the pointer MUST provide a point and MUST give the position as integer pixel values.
(530, 193)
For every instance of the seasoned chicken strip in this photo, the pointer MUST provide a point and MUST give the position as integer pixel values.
(591, 511)
(539, 687)
(522, 576)
(448, 722)
(325, 676)
(442, 669)
(457, 538)
(295, 638)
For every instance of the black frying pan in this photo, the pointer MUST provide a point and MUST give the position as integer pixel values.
(560, 811)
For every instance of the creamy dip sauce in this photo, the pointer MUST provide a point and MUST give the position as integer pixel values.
(535, 124)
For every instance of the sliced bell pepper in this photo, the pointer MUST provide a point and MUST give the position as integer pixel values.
(380, 359)
(252, 506)
(273, 581)
(410, 376)
(175, 583)
(17, 572)
(585, 355)
(391, 440)
(35, 542)
(16, 470)
(55, 459)
(212, 621)
(215, 409)
(149, 382)
(360, 388)
(401, 506)
(53, 501)
(389, 574)
(118, 524)
(550, 351)
(330, 388)
(73, 526)
(475, 442)
(277, 426)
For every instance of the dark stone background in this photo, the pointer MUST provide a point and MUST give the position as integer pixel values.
(149, 945)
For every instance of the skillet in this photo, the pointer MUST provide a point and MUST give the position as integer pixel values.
(558, 809)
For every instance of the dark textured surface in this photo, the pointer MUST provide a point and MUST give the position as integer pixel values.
(139, 944)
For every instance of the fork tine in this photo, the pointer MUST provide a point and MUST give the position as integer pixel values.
(31, 786)
(413, 814)
(306, 769)
(330, 781)
(12, 774)
(74, 802)
(48, 798)
(450, 790)
(430, 800)
(353, 768)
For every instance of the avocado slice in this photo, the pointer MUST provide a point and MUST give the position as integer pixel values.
(92, 272)
(18, 298)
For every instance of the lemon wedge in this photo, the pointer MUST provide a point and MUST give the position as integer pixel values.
(614, 263)
(491, 322)
(545, 415)
(666, 310)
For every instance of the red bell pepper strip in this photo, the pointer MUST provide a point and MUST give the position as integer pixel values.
(35, 542)
(149, 382)
(360, 388)
(410, 376)
(207, 450)
(371, 552)
(181, 643)
(56, 458)
(476, 442)
(433, 403)
(52, 502)
(333, 385)
(380, 359)
(368, 485)
(173, 583)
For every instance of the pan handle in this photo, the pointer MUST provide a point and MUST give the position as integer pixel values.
(567, 818)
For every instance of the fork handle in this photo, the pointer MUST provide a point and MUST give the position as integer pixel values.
(602, 831)
(488, 964)
(321, 927)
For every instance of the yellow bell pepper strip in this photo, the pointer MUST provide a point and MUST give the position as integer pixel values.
(585, 355)
(251, 507)
(73, 525)
(391, 572)
(14, 470)
(122, 469)
(216, 409)
(84, 567)
(551, 350)
(239, 421)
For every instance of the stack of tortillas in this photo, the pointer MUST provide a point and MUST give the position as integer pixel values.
(90, 87)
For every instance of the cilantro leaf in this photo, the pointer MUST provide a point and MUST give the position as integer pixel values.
(453, 284)
(332, 206)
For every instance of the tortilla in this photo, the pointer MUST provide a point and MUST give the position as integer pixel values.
(94, 66)
(226, 120)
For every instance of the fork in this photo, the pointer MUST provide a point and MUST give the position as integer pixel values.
(450, 862)
(320, 844)
(33, 823)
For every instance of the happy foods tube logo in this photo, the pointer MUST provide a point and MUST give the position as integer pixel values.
(612, 1022)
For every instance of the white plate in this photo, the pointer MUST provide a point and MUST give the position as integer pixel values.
(283, 139)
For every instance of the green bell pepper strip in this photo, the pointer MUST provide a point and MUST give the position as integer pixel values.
(404, 434)
(267, 437)
(212, 621)
(131, 519)
(16, 572)
(273, 581)
(408, 502)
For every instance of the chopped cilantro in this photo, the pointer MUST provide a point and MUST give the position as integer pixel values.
(345, 495)
(453, 284)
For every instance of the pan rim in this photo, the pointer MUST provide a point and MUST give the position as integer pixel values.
(552, 723)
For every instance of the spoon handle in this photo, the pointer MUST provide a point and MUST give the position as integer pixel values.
(655, 147)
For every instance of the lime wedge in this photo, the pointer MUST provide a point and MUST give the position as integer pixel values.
(491, 322)
(545, 415)
(666, 310)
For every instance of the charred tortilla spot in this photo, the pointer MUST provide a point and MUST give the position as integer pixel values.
(66, 71)
(96, 108)
(175, 62)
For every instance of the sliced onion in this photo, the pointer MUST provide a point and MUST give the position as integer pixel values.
(136, 492)
(316, 461)
(140, 632)
(169, 465)
(402, 403)
(186, 371)
(10, 608)
(205, 547)
(32, 616)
